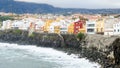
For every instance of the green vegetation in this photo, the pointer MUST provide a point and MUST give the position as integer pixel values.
(31, 35)
(117, 16)
(17, 31)
(82, 18)
(80, 36)
(3, 18)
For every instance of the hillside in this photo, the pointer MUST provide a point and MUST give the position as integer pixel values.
(24, 7)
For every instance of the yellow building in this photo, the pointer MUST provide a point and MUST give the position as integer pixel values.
(57, 29)
(47, 25)
(71, 28)
(100, 26)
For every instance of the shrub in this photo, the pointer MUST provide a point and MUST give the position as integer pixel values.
(80, 36)
(17, 31)
(32, 35)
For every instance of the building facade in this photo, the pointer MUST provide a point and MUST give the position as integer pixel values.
(71, 28)
(100, 26)
(90, 27)
(116, 29)
(77, 26)
(108, 28)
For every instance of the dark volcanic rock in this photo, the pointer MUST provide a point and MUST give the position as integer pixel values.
(71, 41)
(47, 40)
(39, 39)
(116, 50)
(67, 43)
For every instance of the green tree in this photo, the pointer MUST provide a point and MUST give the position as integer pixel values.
(80, 36)
(3, 18)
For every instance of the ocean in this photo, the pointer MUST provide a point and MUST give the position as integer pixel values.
(22, 56)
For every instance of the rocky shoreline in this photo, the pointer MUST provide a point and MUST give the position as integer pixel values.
(67, 43)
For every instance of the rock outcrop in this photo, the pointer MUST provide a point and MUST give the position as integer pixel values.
(116, 50)
(97, 48)
(39, 39)
(100, 42)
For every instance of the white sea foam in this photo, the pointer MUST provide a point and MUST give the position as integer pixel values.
(51, 55)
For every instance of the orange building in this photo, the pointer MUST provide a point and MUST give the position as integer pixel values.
(71, 28)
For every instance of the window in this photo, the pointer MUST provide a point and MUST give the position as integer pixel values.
(90, 30)
(101, 29)
(91, 25)
(114, 30)
(63, 28)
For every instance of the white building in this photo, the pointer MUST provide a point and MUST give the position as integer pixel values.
(64, 29)
(39, 24)
(116, 28)
(108, 28)
(109, 31)
(51, 29)
(6, 24)
(90, 27)
(64, 26)
(25, 26)
(21, 24)
(17, 24)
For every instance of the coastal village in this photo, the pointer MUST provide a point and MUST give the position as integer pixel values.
(61, 24)
(101, 43)
(59, 34)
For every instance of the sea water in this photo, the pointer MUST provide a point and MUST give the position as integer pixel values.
(22, 56)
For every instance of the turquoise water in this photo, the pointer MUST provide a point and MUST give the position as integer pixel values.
(14, 56)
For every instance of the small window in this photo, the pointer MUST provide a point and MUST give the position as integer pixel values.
(114, 30)
(90, 25)
(90, 30)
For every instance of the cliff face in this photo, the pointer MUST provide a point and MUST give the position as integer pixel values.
(116, 50)
(22, 37)
(39, 39)
(97, 48)
(105, 50)
(100, 42)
